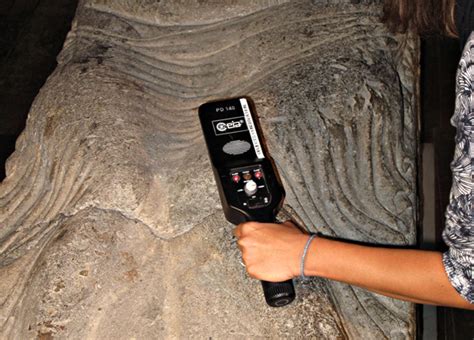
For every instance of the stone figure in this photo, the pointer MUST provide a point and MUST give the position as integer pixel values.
(111, 225)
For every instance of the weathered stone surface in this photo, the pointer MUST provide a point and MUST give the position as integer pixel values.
(111, 224)
(104, 276)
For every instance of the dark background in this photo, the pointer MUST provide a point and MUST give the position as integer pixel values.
(32, 33)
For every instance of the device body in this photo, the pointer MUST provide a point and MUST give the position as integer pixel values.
(249, 186)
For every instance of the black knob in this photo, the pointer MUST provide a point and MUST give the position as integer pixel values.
(278, 294)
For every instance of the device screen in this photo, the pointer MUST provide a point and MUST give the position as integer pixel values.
(230, 132)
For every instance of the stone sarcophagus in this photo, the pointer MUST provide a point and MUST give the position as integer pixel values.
(111, 226)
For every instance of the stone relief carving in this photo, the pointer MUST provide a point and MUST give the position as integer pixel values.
(110, 220)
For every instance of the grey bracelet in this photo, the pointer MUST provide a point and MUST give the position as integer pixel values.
(305, 251)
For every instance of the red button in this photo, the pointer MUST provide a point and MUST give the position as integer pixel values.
(258, 175)
(236, 178)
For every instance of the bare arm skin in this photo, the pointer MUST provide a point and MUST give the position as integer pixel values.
(272, 252)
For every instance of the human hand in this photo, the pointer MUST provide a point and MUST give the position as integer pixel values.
(271, 252)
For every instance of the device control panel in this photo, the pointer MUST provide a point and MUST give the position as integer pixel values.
(250, 186)
(246, 177)
(248, 183)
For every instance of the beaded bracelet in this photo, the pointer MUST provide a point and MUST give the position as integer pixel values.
(303, 257)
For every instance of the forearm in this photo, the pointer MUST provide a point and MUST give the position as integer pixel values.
(412, 275)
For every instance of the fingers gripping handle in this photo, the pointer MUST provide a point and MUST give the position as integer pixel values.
(278, 294)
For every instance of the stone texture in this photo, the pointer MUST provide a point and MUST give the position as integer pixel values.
(103, 276)
(111, 223)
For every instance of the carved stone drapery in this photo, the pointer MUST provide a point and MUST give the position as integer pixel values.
(110, 221)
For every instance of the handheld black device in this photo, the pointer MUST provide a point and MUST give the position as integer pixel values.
(249, 186)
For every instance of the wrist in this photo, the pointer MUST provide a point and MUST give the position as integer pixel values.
(303, 270)
(299, 247)
(318, 258)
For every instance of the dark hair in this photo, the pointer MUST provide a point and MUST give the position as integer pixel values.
(420, 16)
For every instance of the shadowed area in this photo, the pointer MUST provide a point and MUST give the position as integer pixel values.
(27, 58)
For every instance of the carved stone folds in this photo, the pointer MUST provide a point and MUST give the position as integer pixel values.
(110, 220)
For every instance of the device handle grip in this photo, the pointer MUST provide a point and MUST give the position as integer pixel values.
(277, 294)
